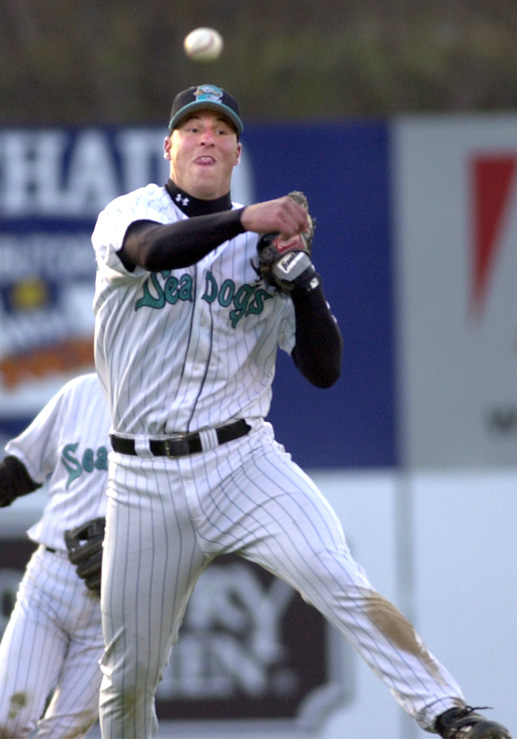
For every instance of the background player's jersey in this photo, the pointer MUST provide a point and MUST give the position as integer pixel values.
(67, 446)
(198, 344)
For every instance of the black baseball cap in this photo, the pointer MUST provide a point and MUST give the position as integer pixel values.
(205, 97)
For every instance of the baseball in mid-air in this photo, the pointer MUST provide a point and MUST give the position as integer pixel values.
(203, 45)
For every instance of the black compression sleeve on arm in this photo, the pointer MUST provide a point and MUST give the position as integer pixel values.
(319, 345)
(15, 480)
(171, 246)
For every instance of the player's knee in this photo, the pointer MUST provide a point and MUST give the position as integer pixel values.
(128, 685)
(76, 726)
(333, 578)
(18, 716)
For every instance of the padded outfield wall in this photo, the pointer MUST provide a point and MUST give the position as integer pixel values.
(415, 446)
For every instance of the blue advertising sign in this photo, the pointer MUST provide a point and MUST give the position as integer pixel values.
(54, 182)
(343, 169)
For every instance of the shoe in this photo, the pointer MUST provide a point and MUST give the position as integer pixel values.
(464, 723)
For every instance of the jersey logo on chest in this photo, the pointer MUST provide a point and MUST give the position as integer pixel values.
(165, 288)
(89, 461)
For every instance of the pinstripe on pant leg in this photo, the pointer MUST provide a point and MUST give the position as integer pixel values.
(147, 579)
(261, 504)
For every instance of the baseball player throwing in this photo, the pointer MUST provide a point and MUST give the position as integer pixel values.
(53, 641)
(194, 296)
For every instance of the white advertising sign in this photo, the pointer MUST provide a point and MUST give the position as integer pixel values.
(455, 195)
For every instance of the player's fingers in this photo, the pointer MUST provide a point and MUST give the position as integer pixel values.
(295, 226)
(295, 215)
(282, 215)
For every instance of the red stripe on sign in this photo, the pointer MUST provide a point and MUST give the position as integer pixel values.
(492, 178)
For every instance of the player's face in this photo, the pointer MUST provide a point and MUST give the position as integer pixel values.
(202, 152)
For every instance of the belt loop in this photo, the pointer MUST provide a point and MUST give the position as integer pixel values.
(142, 447)
(209, 439)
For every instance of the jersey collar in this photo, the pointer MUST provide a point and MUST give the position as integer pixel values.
(192, 206)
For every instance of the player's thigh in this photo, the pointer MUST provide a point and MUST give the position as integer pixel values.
(288, 504)
(295, 532)
(151, 562)
(151, 554)
(252, 490)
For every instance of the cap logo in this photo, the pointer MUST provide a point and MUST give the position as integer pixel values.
(205, 97)
(208, 93)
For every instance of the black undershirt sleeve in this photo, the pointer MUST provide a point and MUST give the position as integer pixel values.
(15, 480)
(319, 345)
(156, 246)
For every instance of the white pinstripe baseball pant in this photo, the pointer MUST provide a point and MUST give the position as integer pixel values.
(54, 637)
(167, 519)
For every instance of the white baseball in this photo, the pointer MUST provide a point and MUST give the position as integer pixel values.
(203, 44)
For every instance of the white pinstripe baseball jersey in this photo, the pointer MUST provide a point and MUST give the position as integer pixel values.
(67, 443)
(218, 329)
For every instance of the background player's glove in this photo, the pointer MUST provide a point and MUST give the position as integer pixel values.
(286, 263)
(84, 545)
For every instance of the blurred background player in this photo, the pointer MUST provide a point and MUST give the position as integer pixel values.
(50, 651)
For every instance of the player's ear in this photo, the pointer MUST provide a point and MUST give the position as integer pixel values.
(238, 155)
(167, 148)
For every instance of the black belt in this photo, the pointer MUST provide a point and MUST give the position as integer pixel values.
(182, 444)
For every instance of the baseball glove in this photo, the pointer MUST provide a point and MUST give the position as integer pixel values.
(286, 263)
(84, 546)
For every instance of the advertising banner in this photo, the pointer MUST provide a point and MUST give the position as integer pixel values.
(53, 184)
(455, 200)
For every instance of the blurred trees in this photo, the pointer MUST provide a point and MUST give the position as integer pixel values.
(121, 61)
